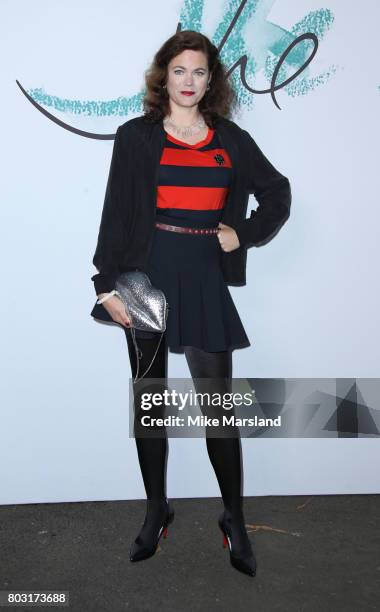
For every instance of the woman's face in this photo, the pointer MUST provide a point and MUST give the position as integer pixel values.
(187, 72)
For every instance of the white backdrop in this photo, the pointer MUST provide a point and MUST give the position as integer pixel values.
(311, 303)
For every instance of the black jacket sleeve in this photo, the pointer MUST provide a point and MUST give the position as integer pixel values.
(112, 230)
(272, 192)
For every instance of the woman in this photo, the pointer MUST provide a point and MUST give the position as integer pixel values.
(182, 167)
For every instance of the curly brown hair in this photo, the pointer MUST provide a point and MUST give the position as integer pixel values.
(219, 100)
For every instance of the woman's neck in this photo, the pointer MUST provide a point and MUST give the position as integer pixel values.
(183, 118)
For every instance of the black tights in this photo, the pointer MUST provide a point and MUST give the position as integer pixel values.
(224, 452)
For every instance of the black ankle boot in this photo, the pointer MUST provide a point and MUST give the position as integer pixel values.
(158, 516)
(241, 554)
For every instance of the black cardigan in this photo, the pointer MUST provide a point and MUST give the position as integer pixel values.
(127, 221)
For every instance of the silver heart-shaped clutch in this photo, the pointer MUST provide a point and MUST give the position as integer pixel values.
(145, 305)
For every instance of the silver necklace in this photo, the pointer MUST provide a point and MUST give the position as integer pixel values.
(188, 130)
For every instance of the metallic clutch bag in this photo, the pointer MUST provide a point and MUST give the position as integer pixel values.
(145, 305)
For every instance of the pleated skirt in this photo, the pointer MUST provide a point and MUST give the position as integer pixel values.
(187, 268)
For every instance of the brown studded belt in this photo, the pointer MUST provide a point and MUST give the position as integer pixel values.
(187, 230)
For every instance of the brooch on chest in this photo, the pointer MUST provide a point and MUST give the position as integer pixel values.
(219, 159)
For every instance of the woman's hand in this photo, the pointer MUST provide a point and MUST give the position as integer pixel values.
(228, 238)
(116, 309)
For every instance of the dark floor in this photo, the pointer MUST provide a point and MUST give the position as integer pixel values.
(313, 553)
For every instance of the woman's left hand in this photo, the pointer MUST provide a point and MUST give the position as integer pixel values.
(228, 239)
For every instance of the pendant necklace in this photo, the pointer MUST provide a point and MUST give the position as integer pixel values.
(186, 131)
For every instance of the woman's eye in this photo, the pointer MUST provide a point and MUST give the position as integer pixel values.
(180, 71)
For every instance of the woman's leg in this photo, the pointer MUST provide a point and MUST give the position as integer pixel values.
(224, 451)
(151, 442)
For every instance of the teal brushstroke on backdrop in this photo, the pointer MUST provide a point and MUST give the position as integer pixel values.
(269, 42)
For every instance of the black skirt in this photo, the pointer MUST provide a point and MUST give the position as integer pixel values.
(187, 268)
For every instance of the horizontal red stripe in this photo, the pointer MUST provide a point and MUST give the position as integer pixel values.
(195, 198)
(192, 157)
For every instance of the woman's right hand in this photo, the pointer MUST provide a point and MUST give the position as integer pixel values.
(116, 309)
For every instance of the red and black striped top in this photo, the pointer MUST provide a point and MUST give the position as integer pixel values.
(193, 177)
